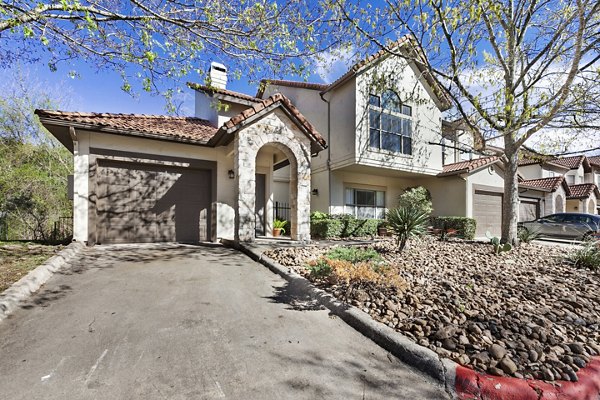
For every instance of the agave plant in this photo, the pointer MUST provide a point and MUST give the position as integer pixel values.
(407, 222)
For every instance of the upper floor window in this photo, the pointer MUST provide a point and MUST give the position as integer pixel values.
(390, 123)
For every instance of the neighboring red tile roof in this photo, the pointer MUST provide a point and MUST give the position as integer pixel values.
(582, 190)
(572, 162)
(466, 167)
(264, 106)
(178, 128)
(594, 160)
(225, 92)
(545, 184)
(295, 84)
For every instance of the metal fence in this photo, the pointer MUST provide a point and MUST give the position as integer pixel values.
(282, 211)
(63, 229)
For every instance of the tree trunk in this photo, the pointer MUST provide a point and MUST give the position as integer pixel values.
(510, 200)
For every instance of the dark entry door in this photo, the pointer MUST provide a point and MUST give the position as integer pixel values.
(261, 194)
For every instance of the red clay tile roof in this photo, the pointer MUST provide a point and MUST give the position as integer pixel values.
(594, 160)
(161, 126)
(225, 92)
(264, 106)
(466, 167)
(572, 162)
(545, 184)
(582, 190)
(295, 84)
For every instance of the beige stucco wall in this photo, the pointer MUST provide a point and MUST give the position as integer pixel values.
(573, 205)
(448, 195)
(341, 179)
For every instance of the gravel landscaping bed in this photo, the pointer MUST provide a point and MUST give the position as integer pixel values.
(527, 313)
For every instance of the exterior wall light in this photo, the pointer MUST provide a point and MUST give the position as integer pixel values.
(315, 192)
(231, 174)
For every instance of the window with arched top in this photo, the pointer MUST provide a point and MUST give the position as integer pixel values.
(390, 123)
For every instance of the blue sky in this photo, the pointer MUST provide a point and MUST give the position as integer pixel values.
(100, 91)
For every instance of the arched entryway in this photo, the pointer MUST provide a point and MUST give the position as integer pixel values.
(273, 131)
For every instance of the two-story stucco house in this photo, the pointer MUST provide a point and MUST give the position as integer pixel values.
(383, 123)
(347, 147)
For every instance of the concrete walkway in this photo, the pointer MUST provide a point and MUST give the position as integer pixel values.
(182, 322)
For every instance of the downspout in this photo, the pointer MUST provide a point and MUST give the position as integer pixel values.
(322, 95)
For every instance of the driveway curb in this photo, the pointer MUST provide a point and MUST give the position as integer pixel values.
(419, 357)
(30, 283)
(459, 382)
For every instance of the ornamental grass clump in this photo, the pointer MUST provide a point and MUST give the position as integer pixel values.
(587, 256)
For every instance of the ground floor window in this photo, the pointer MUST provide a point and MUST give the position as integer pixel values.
(365, 203)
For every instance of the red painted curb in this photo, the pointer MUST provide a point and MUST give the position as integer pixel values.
(472, 385)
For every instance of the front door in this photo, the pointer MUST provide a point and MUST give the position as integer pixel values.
(261, 190)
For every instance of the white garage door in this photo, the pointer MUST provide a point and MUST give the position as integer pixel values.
(487, 211)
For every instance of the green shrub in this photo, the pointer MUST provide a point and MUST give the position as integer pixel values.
(318, 215)
(417, 197)
(588, 256)
(343, 226)
(326, 228)
(353, 254)
(465, 227)
(407, 222)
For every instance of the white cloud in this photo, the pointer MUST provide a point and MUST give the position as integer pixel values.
(332, 64)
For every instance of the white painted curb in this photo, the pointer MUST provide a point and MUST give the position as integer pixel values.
(30, 283)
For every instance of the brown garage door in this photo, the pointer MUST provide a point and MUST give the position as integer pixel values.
(529, 210)
(487, 211)
(151, 203)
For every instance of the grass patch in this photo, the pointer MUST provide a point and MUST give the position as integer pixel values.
(17, 259)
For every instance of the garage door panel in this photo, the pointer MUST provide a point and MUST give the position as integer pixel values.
(146, 203)
(528, 210)
(487, 211)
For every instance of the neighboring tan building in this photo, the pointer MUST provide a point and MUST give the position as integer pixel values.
(564, 184)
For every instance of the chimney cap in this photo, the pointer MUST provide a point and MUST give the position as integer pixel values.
(218, 66)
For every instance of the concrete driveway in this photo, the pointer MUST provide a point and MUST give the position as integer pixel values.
(183, 322)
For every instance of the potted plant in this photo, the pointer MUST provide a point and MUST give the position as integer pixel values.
(384, 229)
(278, 227)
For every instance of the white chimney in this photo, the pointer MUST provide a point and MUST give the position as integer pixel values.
(217, 75)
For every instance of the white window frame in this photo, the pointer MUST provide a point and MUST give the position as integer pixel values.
(352, 207)
(402, 116)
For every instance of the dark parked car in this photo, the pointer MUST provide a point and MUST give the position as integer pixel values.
(565, 225)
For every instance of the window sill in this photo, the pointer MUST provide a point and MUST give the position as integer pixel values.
(375, 150)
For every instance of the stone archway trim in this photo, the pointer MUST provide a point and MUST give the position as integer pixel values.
(225, 134)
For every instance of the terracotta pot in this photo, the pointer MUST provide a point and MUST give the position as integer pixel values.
(381, 231)
(276, 232)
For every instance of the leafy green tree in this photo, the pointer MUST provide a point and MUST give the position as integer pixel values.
(33, 165)
(518, 71)
(417, 197)
(168, 39)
